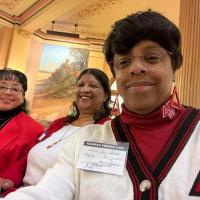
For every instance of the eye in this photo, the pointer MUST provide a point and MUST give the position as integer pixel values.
(80, 84)
(93, 85)
(15, 90)
(124, 62)
(152, 58)
(2, 88)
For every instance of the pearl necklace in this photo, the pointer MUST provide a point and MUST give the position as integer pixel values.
(64, 136)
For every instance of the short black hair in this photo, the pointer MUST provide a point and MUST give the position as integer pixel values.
(147, 25)
(104, 81)
(14, 75)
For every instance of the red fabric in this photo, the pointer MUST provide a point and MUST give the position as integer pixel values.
(17, 137)
(151, 132)
(59, 123)
(56, 125)
(197, 189)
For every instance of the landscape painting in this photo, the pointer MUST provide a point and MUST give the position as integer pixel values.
(56, 78)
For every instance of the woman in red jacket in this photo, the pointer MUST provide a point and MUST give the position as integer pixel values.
(18, 131)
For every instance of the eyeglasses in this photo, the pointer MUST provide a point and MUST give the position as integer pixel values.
(14, 90)
(147, 60)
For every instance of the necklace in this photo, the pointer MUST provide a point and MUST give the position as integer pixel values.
(65, 135)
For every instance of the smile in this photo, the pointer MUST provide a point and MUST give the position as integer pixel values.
(85, 97)
(139, 84)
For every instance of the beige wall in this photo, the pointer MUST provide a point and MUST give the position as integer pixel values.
(5, 41)
(19, 49)
(31, 70)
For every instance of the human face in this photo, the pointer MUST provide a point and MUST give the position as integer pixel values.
(146, 82)
(11, 97)
(89, 94)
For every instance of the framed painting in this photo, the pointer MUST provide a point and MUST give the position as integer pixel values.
(56, 78)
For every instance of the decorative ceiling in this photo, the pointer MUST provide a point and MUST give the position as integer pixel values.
(10, 4)
(88, 18)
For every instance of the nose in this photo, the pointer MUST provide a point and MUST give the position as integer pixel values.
(137, 66)
(8, 91)
(85, 88)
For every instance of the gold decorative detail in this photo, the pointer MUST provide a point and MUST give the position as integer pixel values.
(24, 33)
(95, 8)
(10, 4)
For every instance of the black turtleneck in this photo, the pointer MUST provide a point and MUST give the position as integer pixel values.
(5, 116)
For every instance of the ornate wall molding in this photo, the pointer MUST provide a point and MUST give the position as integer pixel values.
(24, 32)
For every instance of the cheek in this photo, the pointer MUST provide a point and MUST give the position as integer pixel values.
(21, 100)
(100, 96)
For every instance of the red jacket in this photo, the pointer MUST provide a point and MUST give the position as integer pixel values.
(16, 139)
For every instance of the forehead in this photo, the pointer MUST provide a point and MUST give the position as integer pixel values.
(10, 82)
(145, 46)
(88, 78)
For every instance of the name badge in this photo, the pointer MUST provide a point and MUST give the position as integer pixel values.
(105, 158)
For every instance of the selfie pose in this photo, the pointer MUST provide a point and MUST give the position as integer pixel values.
(143, 51)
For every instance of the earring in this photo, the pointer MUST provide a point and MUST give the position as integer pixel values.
(172, 105)
(174, 100)
(115, 109)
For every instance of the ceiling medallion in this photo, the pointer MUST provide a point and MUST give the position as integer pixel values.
(95, 8)
(10, 4)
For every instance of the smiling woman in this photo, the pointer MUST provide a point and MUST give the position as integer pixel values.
(18, 131)
(91, 106)
(143, 51)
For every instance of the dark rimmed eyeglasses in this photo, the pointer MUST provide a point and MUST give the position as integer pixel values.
(147, 60)
(14, 90)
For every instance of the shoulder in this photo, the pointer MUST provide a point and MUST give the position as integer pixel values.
(57, 124)
(93, 132)
(28, 122)
(102, 121)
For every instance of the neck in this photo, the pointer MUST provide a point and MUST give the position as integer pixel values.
(83, 120)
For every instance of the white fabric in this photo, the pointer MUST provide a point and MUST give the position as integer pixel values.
(40, 158)
(65, 182)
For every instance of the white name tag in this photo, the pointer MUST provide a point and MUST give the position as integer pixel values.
(105, 158)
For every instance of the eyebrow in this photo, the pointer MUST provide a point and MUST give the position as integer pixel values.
(15, 84)
(152, 47)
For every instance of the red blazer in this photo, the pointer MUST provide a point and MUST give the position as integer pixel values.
(16, 139)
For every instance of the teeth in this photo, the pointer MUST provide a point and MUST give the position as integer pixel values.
(85, 97)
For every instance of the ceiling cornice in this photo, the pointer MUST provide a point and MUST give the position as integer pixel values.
(27, 14)
(88, 41)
